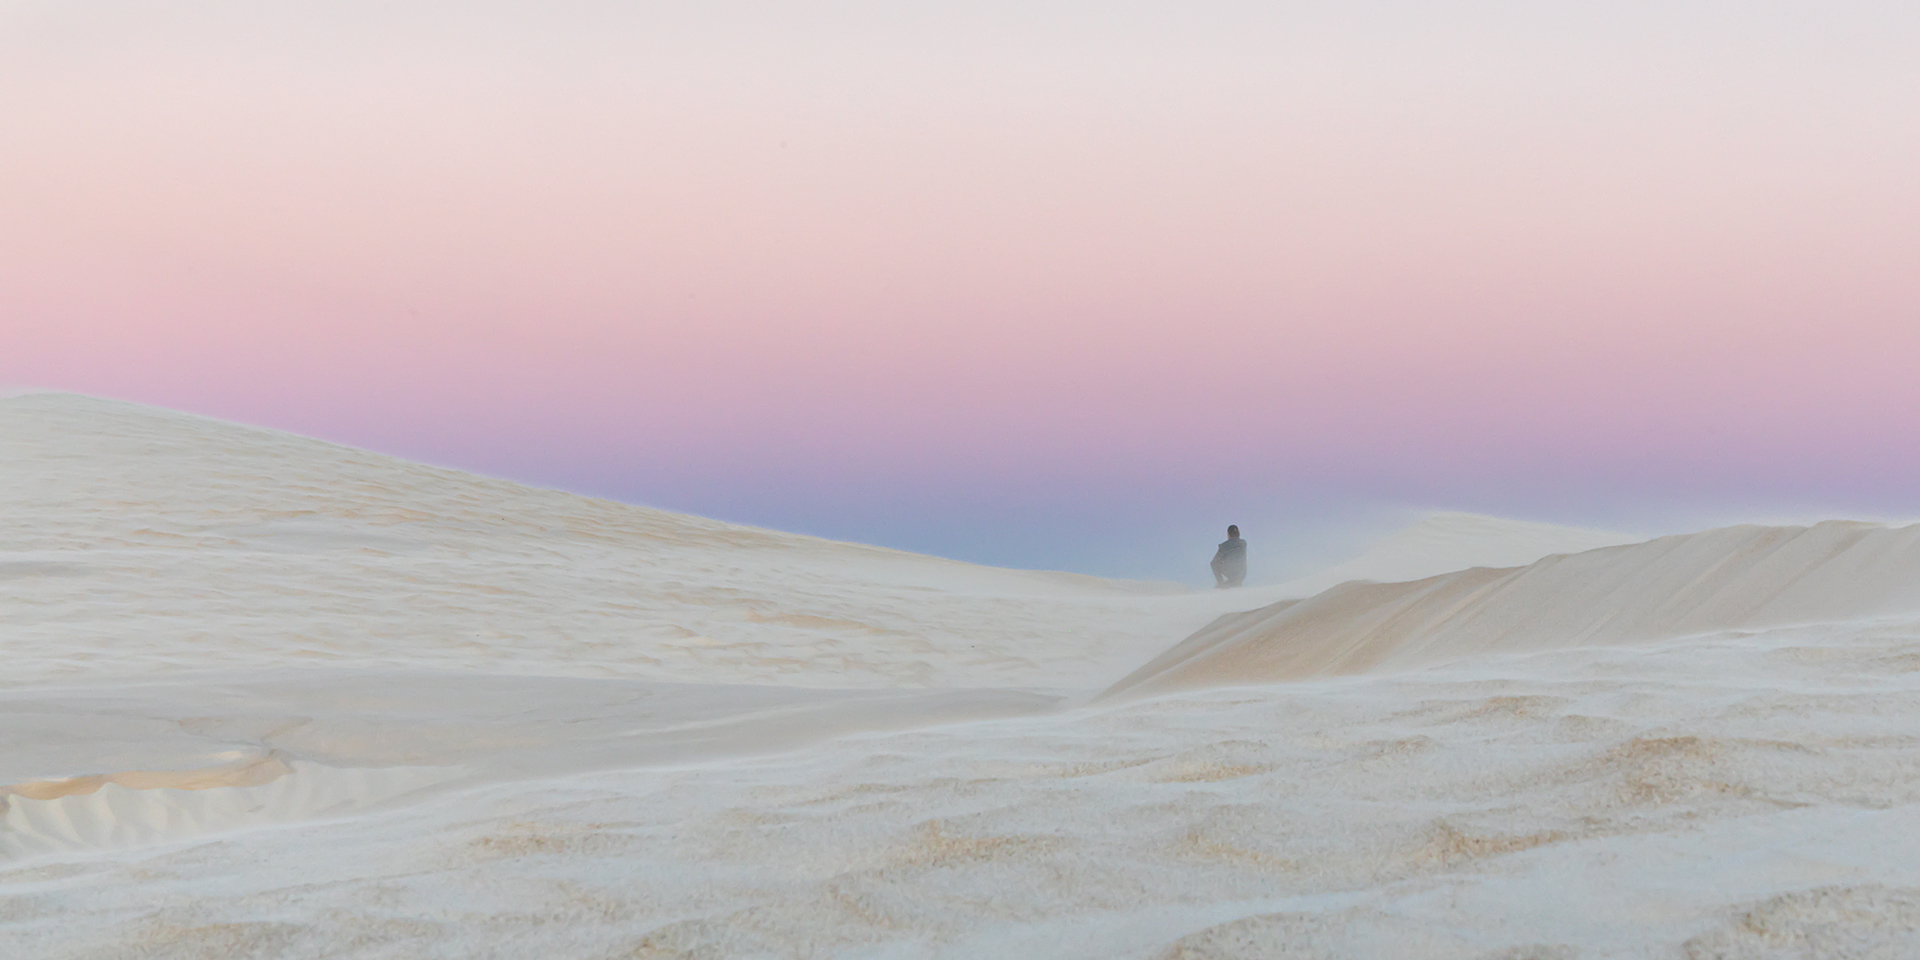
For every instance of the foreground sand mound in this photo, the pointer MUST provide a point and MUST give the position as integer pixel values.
(134, 764)
(1737, 578)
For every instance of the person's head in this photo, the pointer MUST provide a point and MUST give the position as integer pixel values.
(1233, 531)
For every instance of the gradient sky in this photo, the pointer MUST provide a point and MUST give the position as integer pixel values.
(1057, 284)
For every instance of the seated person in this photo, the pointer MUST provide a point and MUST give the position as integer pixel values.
(1230, 561)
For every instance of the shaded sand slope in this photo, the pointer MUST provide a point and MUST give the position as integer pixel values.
(1731, 579)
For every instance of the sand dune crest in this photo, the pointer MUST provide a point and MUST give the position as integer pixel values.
(1735, 578)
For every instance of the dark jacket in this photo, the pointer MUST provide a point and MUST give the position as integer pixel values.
(1230, 561)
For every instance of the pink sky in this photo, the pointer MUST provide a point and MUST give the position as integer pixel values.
(932, 277)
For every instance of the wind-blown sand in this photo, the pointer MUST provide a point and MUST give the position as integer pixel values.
(270, 697)
(1744, 578)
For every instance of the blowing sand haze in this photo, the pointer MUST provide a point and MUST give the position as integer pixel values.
(270, 697)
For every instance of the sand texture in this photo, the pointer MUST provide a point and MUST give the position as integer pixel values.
(267, 697)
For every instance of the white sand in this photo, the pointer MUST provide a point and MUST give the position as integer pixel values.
(267, 697)
(1744, 578)
(1445, 542)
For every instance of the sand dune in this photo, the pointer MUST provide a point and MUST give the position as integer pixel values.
(142, 541)
(1444, 542)
(1750, 797)
(1732, 579)
(268, 697)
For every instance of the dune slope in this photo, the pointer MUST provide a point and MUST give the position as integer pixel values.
(210, 626)
(1447, 541)
(1731, 579)
(272, 698)
(143, 541)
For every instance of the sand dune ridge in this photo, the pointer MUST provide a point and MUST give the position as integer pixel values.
(1735, 578)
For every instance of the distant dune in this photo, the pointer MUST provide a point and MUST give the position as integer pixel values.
(1737, 578)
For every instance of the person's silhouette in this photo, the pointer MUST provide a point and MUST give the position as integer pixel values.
(1230, 561)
